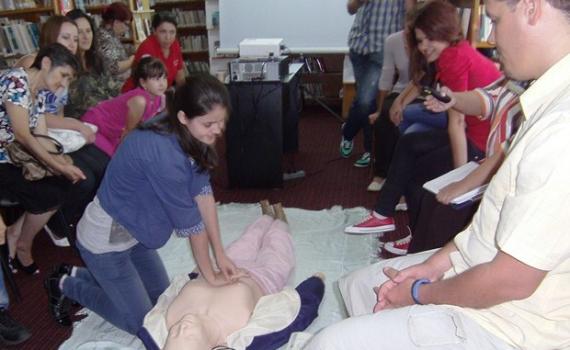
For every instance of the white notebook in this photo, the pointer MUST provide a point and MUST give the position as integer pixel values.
(457, 174)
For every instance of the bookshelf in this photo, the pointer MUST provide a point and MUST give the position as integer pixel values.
(192, 31)
(476, 24)
(20, 21)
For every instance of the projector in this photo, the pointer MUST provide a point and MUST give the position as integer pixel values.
(260, 47)
(262, 69)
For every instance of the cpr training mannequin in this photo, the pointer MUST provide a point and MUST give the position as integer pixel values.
(202, 316)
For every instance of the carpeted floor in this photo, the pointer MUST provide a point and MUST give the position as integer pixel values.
(330, 181)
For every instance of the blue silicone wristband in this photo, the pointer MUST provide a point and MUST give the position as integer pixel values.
(416, 288)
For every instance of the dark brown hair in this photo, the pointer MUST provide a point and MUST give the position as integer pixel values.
(198, 96)
(439, 20)
(117, 11)
(148, 67)
(59, 56)
(93, 61)
(51, 28)
(161, 17)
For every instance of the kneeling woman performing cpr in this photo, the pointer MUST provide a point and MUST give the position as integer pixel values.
(156, 183)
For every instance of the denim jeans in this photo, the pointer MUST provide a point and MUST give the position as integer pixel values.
(4, 299)
(367, 70)
(416, 118)
(121, 287)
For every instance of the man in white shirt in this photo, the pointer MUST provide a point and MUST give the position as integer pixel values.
(504, 282)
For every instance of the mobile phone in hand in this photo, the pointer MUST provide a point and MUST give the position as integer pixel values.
(427, 90)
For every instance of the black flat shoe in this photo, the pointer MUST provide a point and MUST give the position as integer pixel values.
(62, 269)
(16, 266)
(59, 305)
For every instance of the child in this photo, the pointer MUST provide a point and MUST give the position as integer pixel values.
(116, 117)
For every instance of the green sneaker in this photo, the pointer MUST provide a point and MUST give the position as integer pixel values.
(363, 161)
(346, 148)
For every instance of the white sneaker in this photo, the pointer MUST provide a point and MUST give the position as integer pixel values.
(60, 242)
(399, 247)
(375, 186)
(402, 206)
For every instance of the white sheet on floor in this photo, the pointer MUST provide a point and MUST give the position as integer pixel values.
(320, 245)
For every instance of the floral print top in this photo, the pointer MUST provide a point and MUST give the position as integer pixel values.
(55, 101)
(110, 48)
(15, 88)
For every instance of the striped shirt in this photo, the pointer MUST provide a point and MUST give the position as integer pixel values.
(501, 102)
(374, 21)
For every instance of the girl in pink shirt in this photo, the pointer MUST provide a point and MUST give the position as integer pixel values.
(114, 118)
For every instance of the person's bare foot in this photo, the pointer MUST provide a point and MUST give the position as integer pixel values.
(266, 208)
(376, 184)
(279, 212)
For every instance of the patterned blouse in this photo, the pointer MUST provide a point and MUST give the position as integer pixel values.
(15, 88)
(110, 48)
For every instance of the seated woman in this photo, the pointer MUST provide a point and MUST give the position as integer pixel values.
(440, 54)
(396, 63)
(64, 30)
(22, 116)
(117, 19)
(94, 83)
(419, 157)
(162, 44)
(116, 117)
(202, 316)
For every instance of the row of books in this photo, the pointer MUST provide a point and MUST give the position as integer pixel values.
(18, 37)
(154, 2)
(7, 5)
(197, 66)
(142, 28)
(484, 23)
(465, 17)
(85, 4)
(193, 18)
(194, 43)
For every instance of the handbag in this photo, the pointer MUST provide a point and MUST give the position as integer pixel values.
(33, 169)
(71, 140)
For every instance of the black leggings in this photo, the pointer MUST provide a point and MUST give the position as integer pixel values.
(418, 157)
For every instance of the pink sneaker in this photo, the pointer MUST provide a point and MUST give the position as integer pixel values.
(372, 224)
(399, 247)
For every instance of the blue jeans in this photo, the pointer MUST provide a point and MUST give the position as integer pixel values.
(367, 70)
(4, 299)
(121, 287)
(415, 118)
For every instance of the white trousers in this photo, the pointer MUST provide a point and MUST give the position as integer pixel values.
(413, 327)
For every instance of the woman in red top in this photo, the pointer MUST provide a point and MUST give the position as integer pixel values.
(439, 55)
(162, 44)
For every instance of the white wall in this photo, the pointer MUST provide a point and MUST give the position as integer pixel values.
(307, 26)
